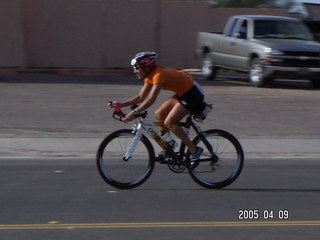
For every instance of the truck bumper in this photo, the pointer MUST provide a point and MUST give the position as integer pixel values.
(291, 72)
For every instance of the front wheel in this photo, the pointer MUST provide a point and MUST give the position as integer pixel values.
(256, 75)
(221, 161)
(120, 171)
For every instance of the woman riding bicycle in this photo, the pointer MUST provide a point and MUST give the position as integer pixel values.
(188, 98)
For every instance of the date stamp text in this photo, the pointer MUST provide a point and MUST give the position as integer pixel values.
(255, 214)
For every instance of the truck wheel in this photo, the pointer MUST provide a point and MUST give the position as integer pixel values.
(209, 71)
(256, 77)
(315, 83)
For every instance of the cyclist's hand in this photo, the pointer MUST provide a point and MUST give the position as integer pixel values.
(114, 103)
(129, 117)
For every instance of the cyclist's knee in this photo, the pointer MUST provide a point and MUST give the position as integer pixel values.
(170, 123)
(159, 115)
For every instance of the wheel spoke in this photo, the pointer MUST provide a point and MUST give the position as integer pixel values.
(119, 172)
(222, 172)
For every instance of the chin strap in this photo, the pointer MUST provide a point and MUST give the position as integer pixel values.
(147, 73)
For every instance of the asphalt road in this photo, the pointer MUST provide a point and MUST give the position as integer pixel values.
(50, 188)
(66, 199)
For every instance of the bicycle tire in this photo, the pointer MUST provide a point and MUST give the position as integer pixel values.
(227, 168)
(121, 173)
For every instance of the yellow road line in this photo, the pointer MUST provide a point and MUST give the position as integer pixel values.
(159, 225)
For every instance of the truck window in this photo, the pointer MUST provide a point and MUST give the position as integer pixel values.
(281, 30)
(232, 27)
(243, 30)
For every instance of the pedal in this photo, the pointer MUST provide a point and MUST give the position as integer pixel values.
(161, 160)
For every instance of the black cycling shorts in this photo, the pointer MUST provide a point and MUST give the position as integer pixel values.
(193, 100)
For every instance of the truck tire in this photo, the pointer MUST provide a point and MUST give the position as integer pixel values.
(209, 71)
(315, 83)
(256, 77)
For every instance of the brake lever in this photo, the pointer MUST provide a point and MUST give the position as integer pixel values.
(119, 116)
(117, 113)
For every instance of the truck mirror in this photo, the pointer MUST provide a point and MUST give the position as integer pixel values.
(236, 35)
(241, 35)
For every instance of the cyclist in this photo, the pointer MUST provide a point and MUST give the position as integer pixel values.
(188, 98)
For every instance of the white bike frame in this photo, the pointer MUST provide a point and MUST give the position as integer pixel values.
(140, 126)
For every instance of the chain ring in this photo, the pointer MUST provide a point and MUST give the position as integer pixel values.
(177, 168)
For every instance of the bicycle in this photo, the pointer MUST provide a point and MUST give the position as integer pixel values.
(126, 158)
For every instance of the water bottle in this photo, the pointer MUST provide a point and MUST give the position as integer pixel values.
(167, 137)
(186, 130)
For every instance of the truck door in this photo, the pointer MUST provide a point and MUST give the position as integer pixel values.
(238, 48)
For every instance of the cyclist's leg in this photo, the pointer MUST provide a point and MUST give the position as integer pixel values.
(163, 111)
(172, 123)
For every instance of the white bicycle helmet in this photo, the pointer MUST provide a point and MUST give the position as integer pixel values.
(144, 59)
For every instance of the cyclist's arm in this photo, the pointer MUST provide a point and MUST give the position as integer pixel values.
(140, 97)
(152, 96)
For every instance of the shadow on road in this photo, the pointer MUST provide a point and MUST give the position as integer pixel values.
(238, 81)
(272, 190)
(223, 80)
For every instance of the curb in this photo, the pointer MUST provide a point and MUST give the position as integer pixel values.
(67, 72)
(79, 71)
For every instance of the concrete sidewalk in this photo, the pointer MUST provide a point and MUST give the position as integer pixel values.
(84, 148)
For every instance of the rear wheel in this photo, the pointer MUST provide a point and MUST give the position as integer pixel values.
(118, 171)
(209, 70)
(221, 168)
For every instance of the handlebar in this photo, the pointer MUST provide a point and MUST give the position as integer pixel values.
(119, 115)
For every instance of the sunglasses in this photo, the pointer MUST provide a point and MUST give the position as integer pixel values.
(135, 68)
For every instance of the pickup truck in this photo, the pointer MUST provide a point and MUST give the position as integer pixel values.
(266, 47)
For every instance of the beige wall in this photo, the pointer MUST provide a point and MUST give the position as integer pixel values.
(11, 34)
(105, 33)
